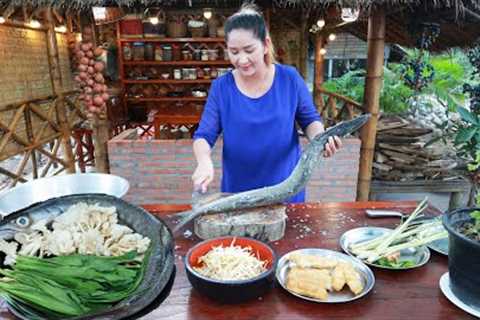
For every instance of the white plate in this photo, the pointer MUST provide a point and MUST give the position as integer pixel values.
(333, 297)
(445, 287)
(420, 255)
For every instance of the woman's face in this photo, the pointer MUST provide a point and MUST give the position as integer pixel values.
(246, 52)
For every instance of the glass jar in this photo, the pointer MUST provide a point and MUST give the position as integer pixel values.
(214, 73)
(149, 51)
(200, 73)
(127, 51)
(138, 51)
(167, 53)
(206, 73)
(197, 54)
(158, 53)
(177, 74)
(212, 54)
(186, 55)
(204, 55)
(176, 52)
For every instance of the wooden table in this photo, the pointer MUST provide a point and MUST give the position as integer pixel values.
(405, 295)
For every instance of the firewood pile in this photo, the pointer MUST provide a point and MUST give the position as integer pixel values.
(402, 153)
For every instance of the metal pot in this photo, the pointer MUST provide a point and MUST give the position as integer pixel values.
(39, 190)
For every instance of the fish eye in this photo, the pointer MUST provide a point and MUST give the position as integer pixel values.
(22, 221)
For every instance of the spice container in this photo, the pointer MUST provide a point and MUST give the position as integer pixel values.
(197, 54)
(149, 51)
(212, 54)
(200, 73)
(167, 53)
(158, 52)
(206, 73)
(138, 51)
(177, 74)
(204, 55)
(176, 52)
(214, 73)
(186, 55)
(127, 51)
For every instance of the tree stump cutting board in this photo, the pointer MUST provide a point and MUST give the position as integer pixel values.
(262, 223)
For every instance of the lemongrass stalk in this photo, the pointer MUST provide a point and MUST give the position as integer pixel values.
(412, 244)
(400, 228)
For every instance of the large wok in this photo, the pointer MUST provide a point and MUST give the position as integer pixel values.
(159, 268)
(39, 190)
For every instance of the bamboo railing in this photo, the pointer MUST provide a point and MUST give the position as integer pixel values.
(334, 107)
(31, 137)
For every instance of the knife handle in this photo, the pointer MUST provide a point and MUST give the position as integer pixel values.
(383, 214)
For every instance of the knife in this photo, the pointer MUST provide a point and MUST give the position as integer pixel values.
(390, 213)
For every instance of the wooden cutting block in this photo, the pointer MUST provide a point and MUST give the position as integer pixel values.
(262, 223)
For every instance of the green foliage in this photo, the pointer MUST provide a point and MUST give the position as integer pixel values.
(467, 133)
(393, 97)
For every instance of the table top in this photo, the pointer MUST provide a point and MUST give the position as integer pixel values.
(412, 294)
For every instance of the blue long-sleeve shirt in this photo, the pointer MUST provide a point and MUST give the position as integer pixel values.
(260, 142)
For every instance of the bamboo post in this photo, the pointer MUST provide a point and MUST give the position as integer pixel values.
(318, 80)
(57, 85)
(100, 128)
(303, 44)
(373, 85)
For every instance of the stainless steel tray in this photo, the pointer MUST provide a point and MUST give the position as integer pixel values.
(344, 295)
(440, 246)
(39, 190)
(420, 255)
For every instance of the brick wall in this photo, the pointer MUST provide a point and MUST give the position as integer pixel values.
(159, 171)
(24, 71)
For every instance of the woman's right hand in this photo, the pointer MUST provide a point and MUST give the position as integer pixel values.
(203, 175)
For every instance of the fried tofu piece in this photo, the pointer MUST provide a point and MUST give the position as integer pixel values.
(338, 278)
(352, 278)
(309, 282)
(312, 261)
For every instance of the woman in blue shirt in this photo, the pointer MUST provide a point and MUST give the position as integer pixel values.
(255, 107)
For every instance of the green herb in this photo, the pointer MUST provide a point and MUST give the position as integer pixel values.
(395, 264)
(71, 285)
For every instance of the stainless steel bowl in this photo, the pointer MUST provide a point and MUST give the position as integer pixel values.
(43, 189)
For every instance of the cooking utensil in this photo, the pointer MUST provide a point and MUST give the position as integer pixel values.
(160, 266)
(43, 189)
(419, 255)
(333, 297)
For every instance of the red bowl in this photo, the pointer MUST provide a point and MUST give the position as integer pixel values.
(231, 291)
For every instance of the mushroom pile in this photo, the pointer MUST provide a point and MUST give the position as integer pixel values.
(90, 78)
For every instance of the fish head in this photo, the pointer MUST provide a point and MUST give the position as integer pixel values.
(346, 127)
(11, 224)
(23, 222)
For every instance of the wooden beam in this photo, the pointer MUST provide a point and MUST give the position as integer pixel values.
(319, 62)
(303, 44)
(57, 85)
(373, 85)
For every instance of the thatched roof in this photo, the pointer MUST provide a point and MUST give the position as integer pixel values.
(458, 5)
(458, 19)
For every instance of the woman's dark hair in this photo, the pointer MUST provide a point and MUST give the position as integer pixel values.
(248, 21)
(251, 19)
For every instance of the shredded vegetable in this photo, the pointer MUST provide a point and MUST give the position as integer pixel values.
(230, 263)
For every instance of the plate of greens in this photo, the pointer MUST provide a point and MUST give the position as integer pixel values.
(359, 243)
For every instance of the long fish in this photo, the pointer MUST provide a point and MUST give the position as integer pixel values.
(279, 192)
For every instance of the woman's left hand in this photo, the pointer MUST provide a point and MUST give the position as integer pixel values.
(334, 143)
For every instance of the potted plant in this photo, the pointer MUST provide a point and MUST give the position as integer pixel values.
(463, 225)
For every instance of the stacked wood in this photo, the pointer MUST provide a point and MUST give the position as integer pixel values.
(402, 153)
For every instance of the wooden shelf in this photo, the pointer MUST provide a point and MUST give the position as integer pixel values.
(205, 39)
(169, 81)
(167, 99)
(178, 63)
